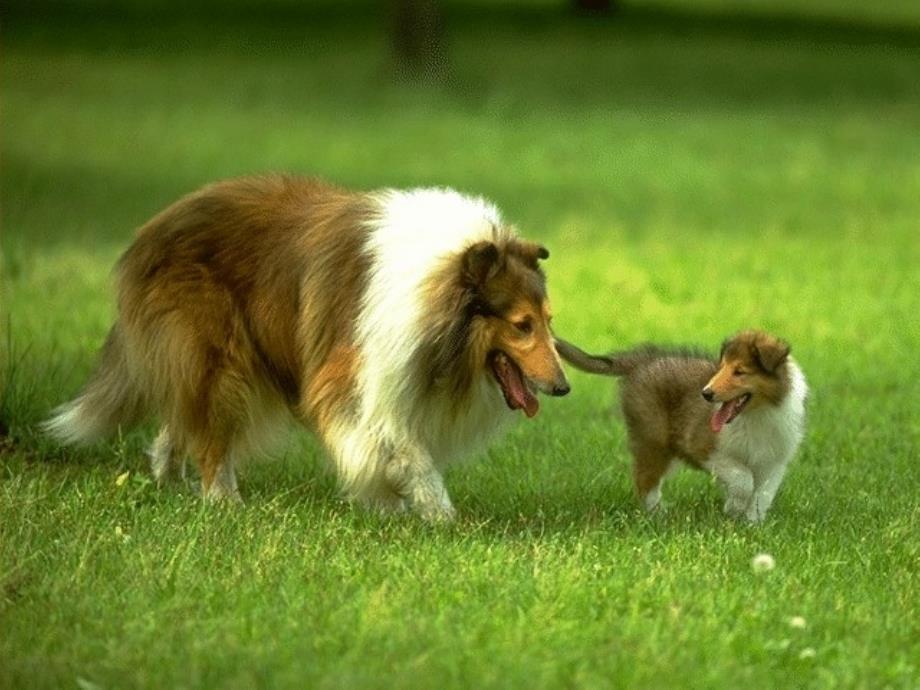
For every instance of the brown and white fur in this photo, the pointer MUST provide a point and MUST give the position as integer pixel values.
(740, 417)
(400, 325)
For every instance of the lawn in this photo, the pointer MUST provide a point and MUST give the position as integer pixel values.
(692, 174)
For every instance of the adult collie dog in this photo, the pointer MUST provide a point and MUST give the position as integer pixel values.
(402, 326)
(740, 417)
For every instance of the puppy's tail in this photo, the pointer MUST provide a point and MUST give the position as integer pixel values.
(110, 398)
(613, 364)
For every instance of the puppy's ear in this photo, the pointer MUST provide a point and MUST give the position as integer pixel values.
(770, 352)
(480, 263)
(531, 252)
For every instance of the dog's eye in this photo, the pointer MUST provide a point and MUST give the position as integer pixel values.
(525, 326)
(738, 371)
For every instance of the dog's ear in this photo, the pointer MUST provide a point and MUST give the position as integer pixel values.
(531, 252)
(769, 352)
(480, 263)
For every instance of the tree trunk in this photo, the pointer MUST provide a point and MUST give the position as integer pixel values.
(418, 38)
(593, 6)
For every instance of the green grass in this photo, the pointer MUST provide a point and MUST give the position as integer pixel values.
(691, 174)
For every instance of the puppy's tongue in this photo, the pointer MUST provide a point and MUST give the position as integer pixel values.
(722, 416)
(517, 395)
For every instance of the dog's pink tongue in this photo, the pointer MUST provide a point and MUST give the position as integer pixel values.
(720, 416)
(531, 404)
(517, 394)
(521, 394)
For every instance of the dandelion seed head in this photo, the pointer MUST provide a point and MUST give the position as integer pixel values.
(762, 563)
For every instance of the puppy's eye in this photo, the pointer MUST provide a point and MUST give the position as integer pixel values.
(524, 326)
(738, 371)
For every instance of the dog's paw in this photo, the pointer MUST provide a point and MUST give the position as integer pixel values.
(220, 493)
(437, 515)
(386, 504)
(652, 501)
(734, 507)
(754, 516)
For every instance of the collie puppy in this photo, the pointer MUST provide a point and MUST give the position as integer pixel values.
(740, 417)
(403, 327)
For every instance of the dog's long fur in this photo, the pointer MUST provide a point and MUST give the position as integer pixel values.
(677, 405)
(390, 322)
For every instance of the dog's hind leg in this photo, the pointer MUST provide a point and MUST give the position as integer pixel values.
(412, 474)
(166, 462)
(223, 487)
(218, 477)
(213, 422)
(650, 466)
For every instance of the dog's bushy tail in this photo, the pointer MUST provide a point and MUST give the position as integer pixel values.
(109, 399)
(613, 364)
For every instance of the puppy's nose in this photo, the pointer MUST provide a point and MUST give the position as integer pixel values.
(564, 389)
(708, 394)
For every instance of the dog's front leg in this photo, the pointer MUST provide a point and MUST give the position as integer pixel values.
(766, 484)
(738, 481)
(412, 474)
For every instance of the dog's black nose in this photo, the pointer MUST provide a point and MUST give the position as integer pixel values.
(559, 391)
(708, 394)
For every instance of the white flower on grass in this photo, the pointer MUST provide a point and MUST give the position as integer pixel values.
(85, 684)
(797, 622)
(808, 653)
(122, 478)
(762, 563)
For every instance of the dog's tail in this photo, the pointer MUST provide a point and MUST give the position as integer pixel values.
(110, 398)
(613, 364)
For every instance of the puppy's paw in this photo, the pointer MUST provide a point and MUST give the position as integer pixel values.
(755, 516)
(734, 507)
(652, 501)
